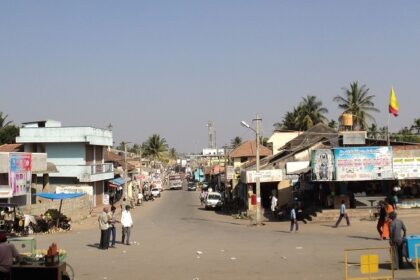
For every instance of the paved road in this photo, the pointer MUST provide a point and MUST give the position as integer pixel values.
(168, 232)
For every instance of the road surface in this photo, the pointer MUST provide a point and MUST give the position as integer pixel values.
(174, 238)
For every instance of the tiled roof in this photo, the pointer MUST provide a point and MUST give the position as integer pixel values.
(11, 148)
(249, 149)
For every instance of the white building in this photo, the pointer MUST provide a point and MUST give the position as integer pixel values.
(77, 152)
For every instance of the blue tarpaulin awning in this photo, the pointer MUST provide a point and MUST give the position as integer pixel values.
(117, 181)
(59, 195)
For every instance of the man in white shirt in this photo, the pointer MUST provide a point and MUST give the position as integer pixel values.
(343, 214)
(273, 205)
(127, 223)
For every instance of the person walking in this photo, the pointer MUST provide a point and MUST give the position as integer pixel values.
(343, 213)
(112, 229)
(127, 224)
(103, 220)
(273, 205)
(396, 240)
(381, 220)
(293, 219)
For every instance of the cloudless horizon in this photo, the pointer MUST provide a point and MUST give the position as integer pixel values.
(168, 67)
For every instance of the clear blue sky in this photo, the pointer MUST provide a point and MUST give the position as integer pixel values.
(168, 67)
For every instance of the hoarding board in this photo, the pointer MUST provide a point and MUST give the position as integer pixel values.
(322, 163)
(230, 171)
(363, 163)
(20, 175)
(271, 175)
(407, 168)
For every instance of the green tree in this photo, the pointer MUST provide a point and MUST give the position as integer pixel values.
(172, 153)
(405, 135)
(357, 101)
(3, 122)
(310, 112)
(373, 131)
(8, 134)
(236, 142)
(289, 121)
(416, 126)
(333, 124)
(155, 146)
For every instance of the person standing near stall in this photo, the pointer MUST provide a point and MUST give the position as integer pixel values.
(112, 229)
(8, 252)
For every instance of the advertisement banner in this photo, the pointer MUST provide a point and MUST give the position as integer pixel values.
(270, 175)
(407, 168)
(363, 163)
(20, 175)
(322, 163)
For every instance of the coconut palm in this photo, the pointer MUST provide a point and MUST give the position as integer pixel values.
(236, 142)
(358, 102)
(416, 126)
(155, 146)
(373, 131)
(289, 121)
(3, 122)
(172, 153)
(310, 112)
(332, 124)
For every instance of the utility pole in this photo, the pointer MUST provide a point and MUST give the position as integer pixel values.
(125, 171)
(257, 177)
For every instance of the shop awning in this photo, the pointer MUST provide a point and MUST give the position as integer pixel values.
(59, 195)
(117, 181)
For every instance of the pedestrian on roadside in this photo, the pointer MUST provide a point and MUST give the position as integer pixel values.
(112, 229)
(396, 240)
(123, 204)
(273, 205)
(202, 197)
(293, 219)
(343, 213)
(103, 220)
(381, 220)
(127, 224)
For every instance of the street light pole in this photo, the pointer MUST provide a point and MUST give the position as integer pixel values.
(125, 171)
(257, 181)
(257, 175)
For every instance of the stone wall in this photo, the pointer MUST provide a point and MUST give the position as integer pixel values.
(76, 208)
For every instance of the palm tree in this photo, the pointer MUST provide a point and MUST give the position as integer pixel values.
(172, 153)
(310, 112)
(289, 121)
(373, 131)
(155, 146)
(333, 124)
(416, 126)
(357, 102)
(236, 142)
(3, 122)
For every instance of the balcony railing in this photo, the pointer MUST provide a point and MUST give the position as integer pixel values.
(86, 173)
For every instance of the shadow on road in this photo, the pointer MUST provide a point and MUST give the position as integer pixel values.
(364, 237)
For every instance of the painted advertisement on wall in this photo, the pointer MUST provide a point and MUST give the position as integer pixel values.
(363, 163)
(322, 163)
(407, 168)
(20, 175)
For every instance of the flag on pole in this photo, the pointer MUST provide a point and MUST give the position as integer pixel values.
(394, 107)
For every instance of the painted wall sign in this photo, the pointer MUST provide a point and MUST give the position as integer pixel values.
(363, 163)
(322, 163)
(20, 175)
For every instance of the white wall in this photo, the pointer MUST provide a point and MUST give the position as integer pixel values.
(66, 153)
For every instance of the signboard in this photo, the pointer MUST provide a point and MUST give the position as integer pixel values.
(322, 163)
(406, 168)
(230, 171)
(20, 175)
(363, 163)
(271, 175)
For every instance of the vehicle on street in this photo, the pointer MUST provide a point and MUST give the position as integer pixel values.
(175, 182)
(156, 192)
(213, 201)
(192, 186)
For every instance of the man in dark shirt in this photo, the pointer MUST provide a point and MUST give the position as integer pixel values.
(396, 240)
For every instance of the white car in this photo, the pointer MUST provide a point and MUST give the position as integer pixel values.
(213, 200)
(156, 192)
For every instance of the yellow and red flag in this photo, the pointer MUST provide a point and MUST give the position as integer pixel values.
(394, 107)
